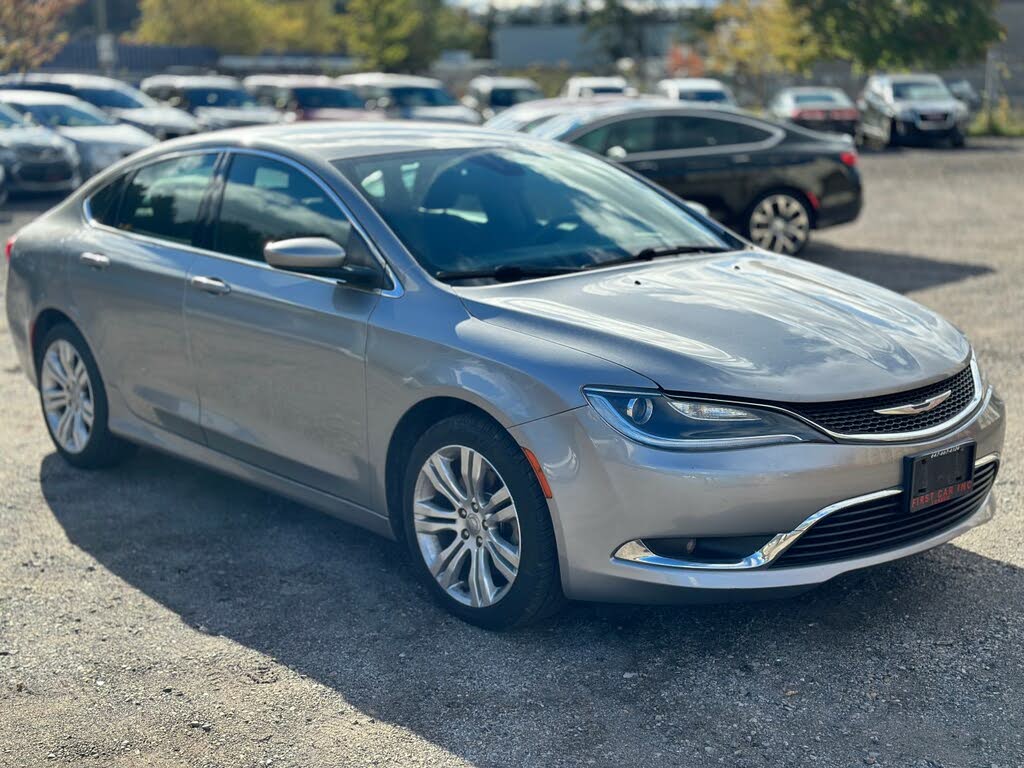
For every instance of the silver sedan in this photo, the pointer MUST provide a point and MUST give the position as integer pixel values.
(547, 376)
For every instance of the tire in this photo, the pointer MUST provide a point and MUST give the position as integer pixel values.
(438, 514)
(959, 141)
(779, 221)
(81, 444)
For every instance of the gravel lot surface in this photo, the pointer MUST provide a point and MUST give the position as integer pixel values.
(162, 615)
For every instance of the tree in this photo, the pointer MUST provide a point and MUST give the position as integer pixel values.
(897, 34)
(28, 32)
(752, 39)
(618, 29)
(230, 26)
(310, 26)
(378, 32)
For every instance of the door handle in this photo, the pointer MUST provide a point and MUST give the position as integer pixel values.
(94, 260)
(212, 285)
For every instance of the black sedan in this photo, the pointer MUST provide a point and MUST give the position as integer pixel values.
(773, 182)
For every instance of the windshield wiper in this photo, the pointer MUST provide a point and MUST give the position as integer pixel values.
(505, 273)
(675, 250)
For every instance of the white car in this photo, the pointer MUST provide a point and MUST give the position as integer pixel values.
(703, 89)
(406, 97)
(584, 87)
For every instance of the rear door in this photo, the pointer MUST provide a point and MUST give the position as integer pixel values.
(128, 273)
(279, 356)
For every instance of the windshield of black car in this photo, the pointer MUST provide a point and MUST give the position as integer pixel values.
(475, 209)
(112, 98)
(65, 115)
(218, 97)
(416, 96)
(920, 90)
(508, 97)
(326, 98)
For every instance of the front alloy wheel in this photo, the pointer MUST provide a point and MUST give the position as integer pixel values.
(477, 524)
(67, 396)
(780, 222)
(466, 526)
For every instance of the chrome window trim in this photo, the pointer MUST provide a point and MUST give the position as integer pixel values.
(396, 291)
(777, 133)
(636, 551)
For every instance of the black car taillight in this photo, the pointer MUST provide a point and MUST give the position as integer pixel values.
(848, 158)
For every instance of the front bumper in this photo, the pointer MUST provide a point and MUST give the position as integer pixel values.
(608, 491)
(917, 131)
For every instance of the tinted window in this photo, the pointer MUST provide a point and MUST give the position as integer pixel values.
(9, 117)
(712, 96)
(217, 97)
(326, 98)
(473, 209)
(507, 97)
(104, 203)
(684, 132)
(112, 98)
(637, 135)
(265, 200)
(920, 90)
(78, 115)
(163, 199)
(414, 96)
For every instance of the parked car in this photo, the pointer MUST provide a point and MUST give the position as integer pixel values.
(491, 95)
(817, 108)
(964, 92)
(701, 89)
(774, 183)
(584, 87)
(116, 98)
(33, 158)
(307, 97)
(215, 101)
(898, 109)
(537, 370)
(99, 140)
(406, 97)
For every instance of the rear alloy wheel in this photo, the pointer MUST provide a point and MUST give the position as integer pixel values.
(780, 222)
(478, 526)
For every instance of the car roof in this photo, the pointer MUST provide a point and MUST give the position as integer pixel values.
(488, 81)
(69, 78)
(290, 81)
(26, 96)
(341, 141)
(594, 80)
(192, 81)
(696, 82)
(386, 79)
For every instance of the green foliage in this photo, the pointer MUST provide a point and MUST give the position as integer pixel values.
(230, 26)
(28, 32)
(310, 26)
(999, 121)
(380, 32)
(899, 34)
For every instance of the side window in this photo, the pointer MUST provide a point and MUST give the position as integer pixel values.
(705, 132)
(636, 135)
(104, 203)
(162, 200)
(265, 200)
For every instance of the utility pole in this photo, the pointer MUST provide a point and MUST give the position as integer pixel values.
(106, 49)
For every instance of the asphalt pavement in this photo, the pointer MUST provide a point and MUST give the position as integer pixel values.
(160, 614)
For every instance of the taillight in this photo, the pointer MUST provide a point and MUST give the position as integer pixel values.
(845, 114)
(808, 114)
(848, 159)
(9, 248)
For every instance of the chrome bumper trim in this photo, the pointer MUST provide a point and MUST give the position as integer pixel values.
(636, 551)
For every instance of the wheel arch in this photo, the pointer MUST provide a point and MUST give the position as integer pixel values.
(413, 423)
(44, 322)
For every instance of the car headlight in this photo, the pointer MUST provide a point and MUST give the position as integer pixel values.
(652, 418)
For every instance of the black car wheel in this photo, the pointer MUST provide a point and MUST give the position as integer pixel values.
(780, 222)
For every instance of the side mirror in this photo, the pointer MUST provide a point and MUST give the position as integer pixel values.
(616, 153)
(304, 253)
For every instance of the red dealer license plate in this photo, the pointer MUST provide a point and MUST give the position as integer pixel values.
(939, 476)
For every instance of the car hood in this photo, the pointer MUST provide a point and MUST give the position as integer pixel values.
(121, 134)
(30, 137)
(158, 117)
(745, 324)
(929, 105)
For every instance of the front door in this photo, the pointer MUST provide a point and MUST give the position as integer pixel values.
(279, 356)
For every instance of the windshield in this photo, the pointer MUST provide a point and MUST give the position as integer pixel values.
(65, 115)
(9, 118)
(921, 90)
(414, 96)
(599, 89)
(218, 97)
(818, 97)
(708, 96)
(326, 98)
(465, 210)
(114, 98)
(507, 97)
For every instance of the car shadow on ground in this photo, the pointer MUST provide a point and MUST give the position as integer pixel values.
(899, 272)
(868, 653)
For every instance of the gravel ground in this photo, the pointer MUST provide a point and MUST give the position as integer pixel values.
(162, 615)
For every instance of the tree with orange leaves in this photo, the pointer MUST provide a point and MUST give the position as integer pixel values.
(28, 32)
